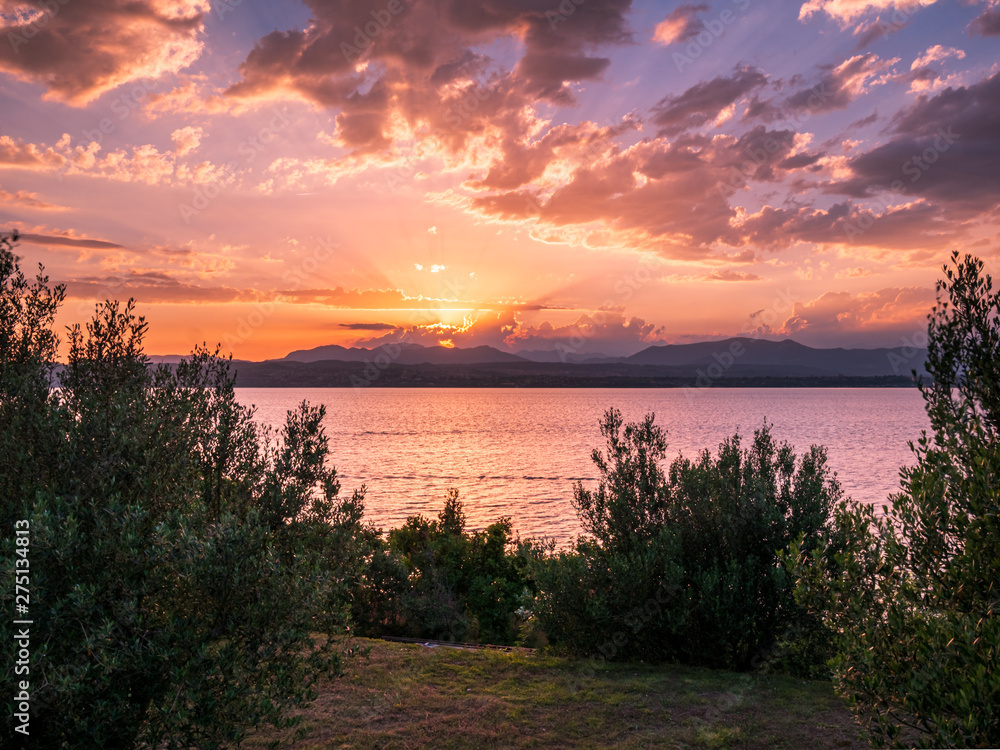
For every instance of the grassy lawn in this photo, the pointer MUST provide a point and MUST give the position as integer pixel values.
(411, 696)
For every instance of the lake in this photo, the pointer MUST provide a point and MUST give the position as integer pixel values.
(518, 452)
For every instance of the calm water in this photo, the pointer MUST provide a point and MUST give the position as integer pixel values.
(517, 452)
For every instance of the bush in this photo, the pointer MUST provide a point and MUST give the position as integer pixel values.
(915, 596)
(456, 585)
(181, 558)
(684, 566)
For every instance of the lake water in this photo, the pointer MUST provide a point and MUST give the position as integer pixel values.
(518, 452)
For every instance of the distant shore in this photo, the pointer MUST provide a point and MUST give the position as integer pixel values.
(335, 374)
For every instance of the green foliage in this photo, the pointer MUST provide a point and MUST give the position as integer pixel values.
(182, 558)
(915, 596)
(683, 565)
(432, 579)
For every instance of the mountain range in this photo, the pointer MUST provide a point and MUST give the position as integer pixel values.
(759, 357)
(734, 362)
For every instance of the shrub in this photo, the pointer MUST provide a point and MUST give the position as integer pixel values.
(459, 585)
(181, 558)
(683, 565)
(914, 598)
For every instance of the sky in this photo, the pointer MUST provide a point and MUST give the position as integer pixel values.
(589, 175)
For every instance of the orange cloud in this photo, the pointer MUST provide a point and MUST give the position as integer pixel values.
(900, 310)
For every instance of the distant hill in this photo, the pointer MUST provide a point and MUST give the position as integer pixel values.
(550, 355)
(404, 354)
(736, 362)
(786, 357)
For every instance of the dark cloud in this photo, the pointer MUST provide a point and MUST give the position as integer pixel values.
(411, 55)
(910, 227)
(55, 239)
(704, 102)
(872, 31)
(840, 86)
(987, 23)
(368, 326)
(944, 148)
(864, 122)
(152, 286)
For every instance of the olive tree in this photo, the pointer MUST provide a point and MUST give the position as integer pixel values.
(915, 596)
(186, 565)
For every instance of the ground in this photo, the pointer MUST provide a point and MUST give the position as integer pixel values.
(412, 696)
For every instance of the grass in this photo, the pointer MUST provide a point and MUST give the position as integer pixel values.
(412, 696)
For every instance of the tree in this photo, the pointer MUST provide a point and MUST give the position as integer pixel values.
(183, 559)
(915, 596)
(682, 565)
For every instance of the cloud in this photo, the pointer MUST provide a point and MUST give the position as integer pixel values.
(841, 314)
(187, 139)
(68, 241)
(368, 326)
(78, 50)
(153, 286)
(681, 24)
(917, 226)
(852, 273)
(384, 69)
(943, 148)
(845, 12)
(24, 199)
(704, 102)
(16, 153)
(730, 275)
(937, 53)
(668, 196)
(607, 331)
(360, 299)
(988, 22)
(842, 84)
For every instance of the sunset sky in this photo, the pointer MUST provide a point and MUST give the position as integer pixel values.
(281, 175)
